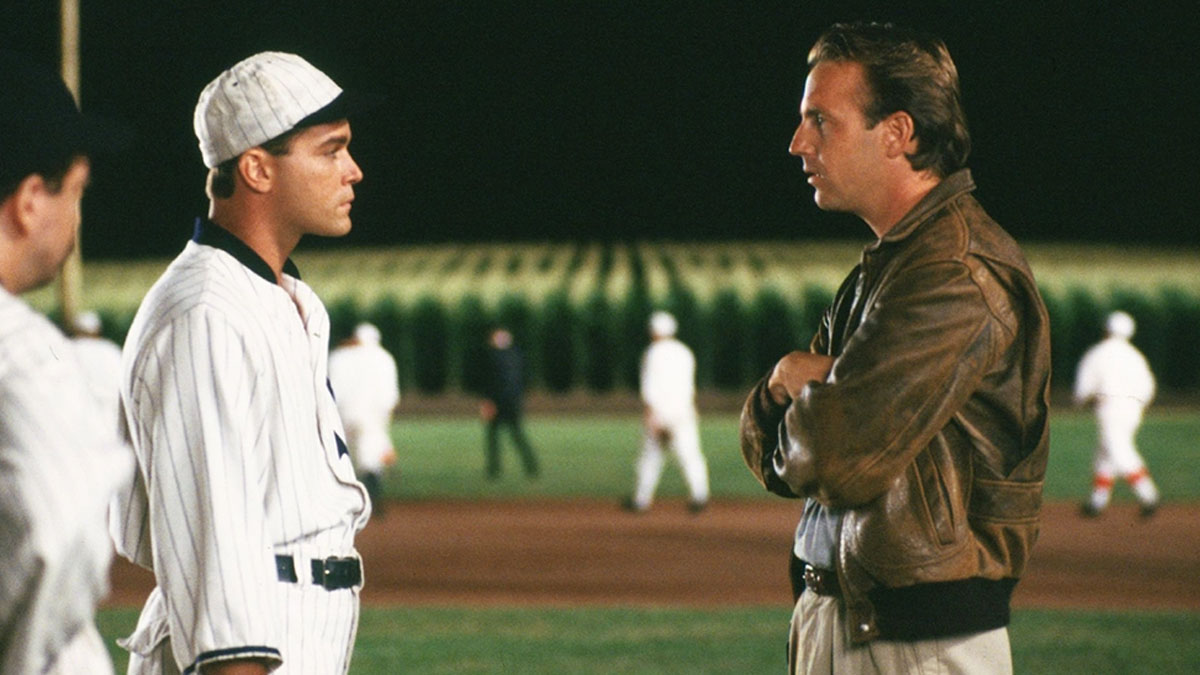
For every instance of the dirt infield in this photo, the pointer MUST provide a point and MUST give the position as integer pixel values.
(586, 552)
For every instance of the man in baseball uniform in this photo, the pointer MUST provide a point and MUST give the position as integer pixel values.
(364, 379)
(1115, 380)
(668, 389)
(101, 361)
(60, 460)
(246, 504)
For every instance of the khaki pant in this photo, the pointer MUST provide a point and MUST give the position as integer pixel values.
(819, 642)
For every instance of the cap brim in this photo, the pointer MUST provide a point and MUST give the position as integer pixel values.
(347, 105)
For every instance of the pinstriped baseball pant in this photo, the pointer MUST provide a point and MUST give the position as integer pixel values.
(319, 628)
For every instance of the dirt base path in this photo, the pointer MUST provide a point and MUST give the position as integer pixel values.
(735, 553)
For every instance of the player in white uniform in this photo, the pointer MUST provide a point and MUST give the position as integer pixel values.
(246, 505)
(59, 461)
(1114, 378)
(364, 379)
(101, 361)
(668, 390)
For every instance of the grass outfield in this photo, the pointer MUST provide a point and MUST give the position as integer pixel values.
(593, 456)
(743, 640)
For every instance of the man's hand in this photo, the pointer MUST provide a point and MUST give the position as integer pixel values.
(794, 371)
(487, 410)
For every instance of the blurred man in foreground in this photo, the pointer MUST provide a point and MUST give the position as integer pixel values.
(916, 425)
(60, 458)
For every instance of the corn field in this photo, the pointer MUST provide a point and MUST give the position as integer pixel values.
(579, 310)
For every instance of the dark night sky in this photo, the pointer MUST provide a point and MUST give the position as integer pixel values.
(592, 119)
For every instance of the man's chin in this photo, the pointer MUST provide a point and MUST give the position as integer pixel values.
(335, 230)
(822, 201)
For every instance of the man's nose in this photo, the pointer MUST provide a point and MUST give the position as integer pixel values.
(355, 175)
(800, 144)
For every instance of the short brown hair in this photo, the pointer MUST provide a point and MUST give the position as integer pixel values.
(223, 177)
(911, 72)
(52, 170)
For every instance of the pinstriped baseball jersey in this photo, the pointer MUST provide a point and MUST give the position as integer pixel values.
(240, 458)
(60, 463)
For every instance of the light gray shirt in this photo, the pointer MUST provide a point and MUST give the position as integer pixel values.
(817, 535)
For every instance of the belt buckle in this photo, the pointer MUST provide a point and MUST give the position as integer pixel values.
(820, 581)
(335, 573)
(320, 570)
(812, 579)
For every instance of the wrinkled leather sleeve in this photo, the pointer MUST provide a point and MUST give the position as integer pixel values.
(762, 418)
(759, 430)
(922, 348)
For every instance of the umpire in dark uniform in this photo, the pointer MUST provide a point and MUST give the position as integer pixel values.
(504, 390)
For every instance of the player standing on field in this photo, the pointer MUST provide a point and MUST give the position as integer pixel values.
(668, 390)
(365, 384)
(101, 361)
(504, 403)
(1115, 380)
(916, 425)
(60, 458)
(246, 504)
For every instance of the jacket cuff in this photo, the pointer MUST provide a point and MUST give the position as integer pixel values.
(764, 417)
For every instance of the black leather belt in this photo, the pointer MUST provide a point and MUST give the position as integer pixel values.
(331, 573)
(821, 581)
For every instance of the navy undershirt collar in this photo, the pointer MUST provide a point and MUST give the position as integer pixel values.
(211, 234)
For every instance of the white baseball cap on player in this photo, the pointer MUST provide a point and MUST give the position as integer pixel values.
(263, 97)
(367, 333)
(1120, 324)
(662, 324)
(87, 322)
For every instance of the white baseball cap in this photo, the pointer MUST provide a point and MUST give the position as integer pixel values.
(1120, 324)
(662, 324)
(367, 333)
(260, 98)
(86, 322)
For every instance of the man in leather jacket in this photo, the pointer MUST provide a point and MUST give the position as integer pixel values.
(916, 425)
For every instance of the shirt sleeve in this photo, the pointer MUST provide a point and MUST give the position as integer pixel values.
(59, 465)
(200, 414)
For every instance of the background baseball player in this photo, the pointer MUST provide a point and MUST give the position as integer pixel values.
(60, 461)
(365, 384)
(101, 361)
(1115, 380)
(246, 505)
(504, 402)
(668, 389)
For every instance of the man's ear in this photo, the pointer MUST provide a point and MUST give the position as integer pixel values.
(257, 169)
(25, 203)
(899, 134)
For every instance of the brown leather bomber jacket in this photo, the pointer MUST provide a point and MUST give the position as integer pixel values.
(931, 430)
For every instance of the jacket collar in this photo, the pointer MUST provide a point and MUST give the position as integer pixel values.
(211, 234)
(952, 186)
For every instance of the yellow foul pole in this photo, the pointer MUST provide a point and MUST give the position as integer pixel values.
(70, 283)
